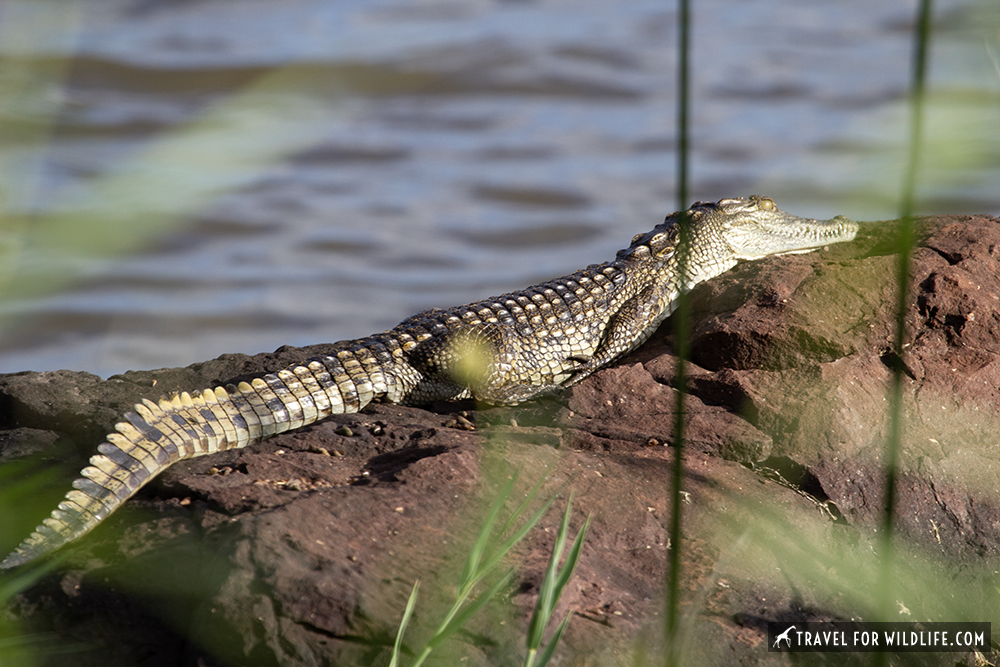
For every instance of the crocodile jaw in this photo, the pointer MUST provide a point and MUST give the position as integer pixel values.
(762, 233)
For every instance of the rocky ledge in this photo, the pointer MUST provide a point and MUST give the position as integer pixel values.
(303, 550)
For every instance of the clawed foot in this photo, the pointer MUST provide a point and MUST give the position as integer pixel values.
(584, 366)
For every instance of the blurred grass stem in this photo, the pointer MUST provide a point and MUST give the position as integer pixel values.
(905, 242)
(681, 325)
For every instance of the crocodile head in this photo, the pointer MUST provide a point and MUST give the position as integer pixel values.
(730, 230)
(753, 227)
(740, 228)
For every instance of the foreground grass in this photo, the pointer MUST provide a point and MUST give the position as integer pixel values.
(490, 548)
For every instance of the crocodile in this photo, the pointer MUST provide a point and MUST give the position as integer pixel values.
(503, 350)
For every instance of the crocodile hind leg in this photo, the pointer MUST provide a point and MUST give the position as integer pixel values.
(483, 358)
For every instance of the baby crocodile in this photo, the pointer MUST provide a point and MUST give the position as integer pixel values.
(502, 350)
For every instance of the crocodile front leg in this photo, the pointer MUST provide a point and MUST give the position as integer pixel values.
(626, 330)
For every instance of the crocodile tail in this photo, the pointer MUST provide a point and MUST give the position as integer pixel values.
(156, 435)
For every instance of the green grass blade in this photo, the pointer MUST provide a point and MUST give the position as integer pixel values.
(571, 560)
(681, 331)
(553, 583)
(906, 243)
(25, 578)
(410, 604)
(550, 648)
(530, 496)
(547, 596)
(481, 562)
(509, 543)
(479, 547)
(462, 617)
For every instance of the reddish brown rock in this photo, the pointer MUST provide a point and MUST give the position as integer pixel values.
(303, 550)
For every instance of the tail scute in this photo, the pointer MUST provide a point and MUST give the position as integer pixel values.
(157, 434)
(258, 409)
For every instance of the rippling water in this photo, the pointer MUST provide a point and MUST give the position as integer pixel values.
(183, 179)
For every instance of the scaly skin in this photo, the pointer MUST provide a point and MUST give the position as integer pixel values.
(502, 350)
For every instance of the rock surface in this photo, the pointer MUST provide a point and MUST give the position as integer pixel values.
(303, 550)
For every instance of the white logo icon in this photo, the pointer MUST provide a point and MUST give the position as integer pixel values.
(784, 635)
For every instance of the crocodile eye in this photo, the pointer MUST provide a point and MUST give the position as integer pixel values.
(767, 204)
